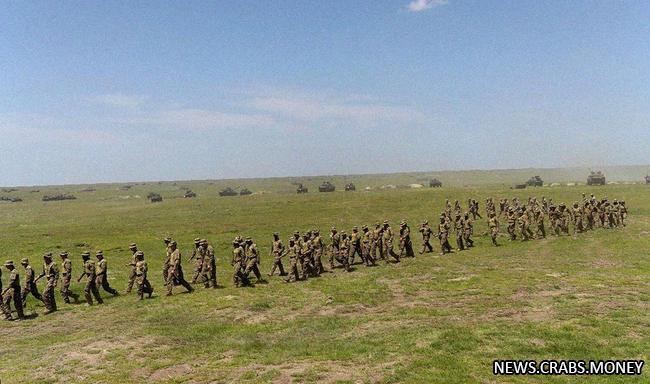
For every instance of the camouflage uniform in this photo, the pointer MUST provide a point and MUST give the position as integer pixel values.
(443, 235)
(305, 256)
(366, 242)
(197, 256)
(209, 267)
(29, 286)
(426, 232)
(134, 249)
(66, 278)
(493, 224)
(387, 243)
(51, 273)
(376, 250)
(524, 226)
(355, 245)
(252, 260)
(102, 275)
(90, 273)
(334, 246)
(175, 271)
(168, 254)
(405, 243)
(237, 262)
(277, 251)
(292, 251)
(344, 249)
(458, 227)
(577, 214)
(512, 224)
(468, 231)
(12, 292)
(141, 280)
(317, 246)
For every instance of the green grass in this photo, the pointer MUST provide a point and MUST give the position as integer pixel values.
(440, 319)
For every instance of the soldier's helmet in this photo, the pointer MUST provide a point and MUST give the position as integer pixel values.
(167, 240)
(132, 246)
(344, 234)
(355, 228)
(99, 253)
(249, 240)
(364, 227)
(24, 261)
(575, 204)
(47, 255)
(623, 202)
(9, 263)
(85, 255)
(204, 241)
(197, 241)
(425, 222)
(139, 254)
(333, 229)
(385, 222)
(235, 242)
(173, 243)
(63, 254)
(377, 225)
(316, 231)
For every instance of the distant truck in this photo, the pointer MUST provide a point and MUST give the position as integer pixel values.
(326, 187)
(350, 187)
(435, 183)
(596, 178)
(535, 181)
(302, 189)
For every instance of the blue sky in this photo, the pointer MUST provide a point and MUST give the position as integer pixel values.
(98, 91)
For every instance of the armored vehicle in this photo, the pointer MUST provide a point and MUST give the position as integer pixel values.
(154, 197)
(596, 178)
(535, 181)
(228, 192)
(647, 179)
(435, 183)
(302, 189)
(326, 187)
(245, 192)
(189, 194)
(61, 196)
(350, 187)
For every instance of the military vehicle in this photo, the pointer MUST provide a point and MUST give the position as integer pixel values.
(519, 186)
(535, 181)
(245, 192)
(11, 199)
(350, 187)
(596, 178)
(326, 187)
(61, 196)
(647, 179)
(435, 183)
(302, 189)
(189, 194)
(228, 192)
(154, 197)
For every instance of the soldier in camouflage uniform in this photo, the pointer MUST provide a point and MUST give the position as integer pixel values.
(493, 224)
(293, 252)
(366, 241)
(344, 249)
(12, 292)
(252, 260)
(29, 286)
(622, 212)
(405, 243)
(468, 231)
(524, 226)
(376, 250)
(355, 245)
(539, 221)
(51, 274)
(141, 280)
(102, 274)
(577, 214)
(277, 251)
(458, 227)
(168, 254)
(305, 256)
(387, 243)
(90, 273)
(133, 247)
(197, 256)
(66, 279)
(317, 246)
(238, 263)
(563, 222)
(334, 246)
(443, 235)
(512, 224)
(209, 267)
(175, 270)
(426, 232)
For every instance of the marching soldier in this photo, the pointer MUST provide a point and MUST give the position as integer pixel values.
(237, 262)
(209, 268)
(102, 274)
(141, 280)
(197, 255)
(458, 226)
(90, 272)
(344, 249)
(366, 242)
(443, 235)
(468, 231)
(134, 249)
(166, 261)
(405, 244)
(12, 292)
(493, 224)
(292, 251)
(29, 286)
(426, 232)
(66, 279)
(512, 223)
(334, 246)
(376, 250)
(175, 270)
(51, 274)
(355, 245)
(277, 251)
(387, 244)
(252, 260)
(305, 256)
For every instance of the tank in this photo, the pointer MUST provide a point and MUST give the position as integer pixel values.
(596, 178)
(189, 194)
(647, 179)
(154, 197)
(326, 187)
(535, 181)
(228, 192)
(302, 189)
(350, 187)
(435, 183)
(245, 192)
(61, 196)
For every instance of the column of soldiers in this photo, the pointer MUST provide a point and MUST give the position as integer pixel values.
(526, 221)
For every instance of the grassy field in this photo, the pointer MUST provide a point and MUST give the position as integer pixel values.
(438, 319)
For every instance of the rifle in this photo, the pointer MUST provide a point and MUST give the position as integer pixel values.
(39, 277)
(81, 276)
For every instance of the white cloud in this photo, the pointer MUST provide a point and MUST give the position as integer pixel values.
(202, 119)
(120, 100)
(423, 5)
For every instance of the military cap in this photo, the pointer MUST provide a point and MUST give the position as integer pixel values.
(24, 260)
(99, 253)
(167, 239)
(425, 222)
(316, 231)
(248, 238)
(333, 228)
(173, 242)
(276, 234)
(364, 227)
(133, 245)
(235, 242)
(296, 232)
(9, 262)
(63, 254)
(377, 224)
(86, 253)
(355, 228)
(139, 253)
(47, 255)
(197, 240)
(204, 241)
(385, 222)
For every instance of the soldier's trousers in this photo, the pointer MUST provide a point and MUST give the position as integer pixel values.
(12, 294)
(375, 250)
(333, 253)
(210, 276)
(102, 281)
(305, 266)
(33, 289)
(144, 287)
(342, 258)
(577, 225)
(467, 238)
(293, 270)
(91, 290)
(66, 293)
(511, 231)
(318, 263)
(354, 250)
(176, 277)
(445, 247)
(526, 233)
(367, 256)
(199, 276)
(48, 297)
(388, 249)
(426, 245)
(277, 263)
(251, 266)
(132, 276)
(406, 247)
(541, 231)
(165, 273)
(459, 241)
(494, 232)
